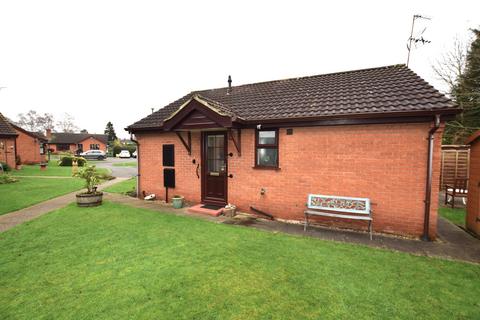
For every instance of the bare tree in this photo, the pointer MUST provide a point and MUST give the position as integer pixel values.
(67, 124)
(34, 121)
(451, 66)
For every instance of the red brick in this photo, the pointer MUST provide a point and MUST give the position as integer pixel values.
(386, 163)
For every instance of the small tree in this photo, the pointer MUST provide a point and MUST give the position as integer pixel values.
(460, 71)
(110, 131)
(91, 177)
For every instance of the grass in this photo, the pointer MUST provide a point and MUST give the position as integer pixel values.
(118, 262)
(125, 164)
(29, 191)
(123, 187)
(53, 169)
(456, 216)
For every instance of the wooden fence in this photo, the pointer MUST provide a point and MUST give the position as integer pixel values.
(455, 163)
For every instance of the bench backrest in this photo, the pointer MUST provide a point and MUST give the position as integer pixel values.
(339, 204)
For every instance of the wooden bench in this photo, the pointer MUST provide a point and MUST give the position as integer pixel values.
(339, 207)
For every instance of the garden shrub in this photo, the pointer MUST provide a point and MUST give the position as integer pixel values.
(66, 161)
(6, 178)
(5, 167)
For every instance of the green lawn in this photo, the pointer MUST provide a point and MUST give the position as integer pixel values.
(126, 164)
(29, 191)
(457, 216)
(53, 169)
(118, 262)
(123, 187)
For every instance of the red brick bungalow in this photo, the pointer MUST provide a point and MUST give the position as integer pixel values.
(31, 146)
(8, 150)
(373, 133)
(73, 142)
(473, 201)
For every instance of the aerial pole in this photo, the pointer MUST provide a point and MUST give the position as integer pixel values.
(413, 39)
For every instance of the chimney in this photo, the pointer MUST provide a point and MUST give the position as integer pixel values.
(229, 84)
(48, 133)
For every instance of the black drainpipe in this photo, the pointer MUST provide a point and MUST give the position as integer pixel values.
(138, 163)
(428, 191)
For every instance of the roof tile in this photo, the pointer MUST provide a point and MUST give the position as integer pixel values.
(369, 91)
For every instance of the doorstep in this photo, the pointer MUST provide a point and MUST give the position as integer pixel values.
(198, 209)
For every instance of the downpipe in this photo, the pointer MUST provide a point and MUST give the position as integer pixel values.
(428, 184)
(138, 163)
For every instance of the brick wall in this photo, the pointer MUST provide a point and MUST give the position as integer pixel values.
(86, 145)
(87, 142)
(386, 163)
(28, 148)
(7, 151)
(473, 204)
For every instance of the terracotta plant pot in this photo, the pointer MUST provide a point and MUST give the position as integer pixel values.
(43, 166)
(177, 202)
(89, 199)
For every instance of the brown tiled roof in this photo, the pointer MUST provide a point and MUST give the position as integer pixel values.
(5, 128)
(65, 137)
(384, 90)
(34, 134)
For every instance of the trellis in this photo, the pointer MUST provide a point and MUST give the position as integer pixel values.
(455, 164)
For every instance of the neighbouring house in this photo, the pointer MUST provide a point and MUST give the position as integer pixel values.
(373, 133)
(76, 142)
(473, 201)
(8, 135)
(31, 146)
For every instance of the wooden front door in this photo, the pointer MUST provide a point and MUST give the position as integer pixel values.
(214, 168)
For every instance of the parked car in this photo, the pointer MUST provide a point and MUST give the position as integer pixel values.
(93, 155)
(134, 154)
(124, 154)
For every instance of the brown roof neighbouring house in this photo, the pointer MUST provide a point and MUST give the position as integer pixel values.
(377, 92)
(6, 129)
(73, 138)
(38, 135)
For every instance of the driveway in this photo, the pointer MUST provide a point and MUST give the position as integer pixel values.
(117, 171)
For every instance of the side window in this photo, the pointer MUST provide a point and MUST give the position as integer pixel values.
(266, 148)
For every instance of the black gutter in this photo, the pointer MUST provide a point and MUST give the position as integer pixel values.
(138, 163)
(428, 187)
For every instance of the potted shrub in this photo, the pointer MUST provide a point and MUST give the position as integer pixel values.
(18, 163)
(177, 202)
(91, 197)
(229, 210)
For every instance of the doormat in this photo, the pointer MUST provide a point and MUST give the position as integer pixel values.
(211, 207)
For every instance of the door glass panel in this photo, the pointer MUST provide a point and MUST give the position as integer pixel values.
(215, 153)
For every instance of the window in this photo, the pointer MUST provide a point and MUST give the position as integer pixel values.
(42, 148)
(94, 146)
(63, 147)
(266, 148)
(80, 147)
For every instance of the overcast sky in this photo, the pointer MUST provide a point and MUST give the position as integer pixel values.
(114, 60)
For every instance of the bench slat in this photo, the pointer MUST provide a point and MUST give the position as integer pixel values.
(344, 216)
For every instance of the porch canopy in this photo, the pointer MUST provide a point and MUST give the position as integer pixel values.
(198, 113)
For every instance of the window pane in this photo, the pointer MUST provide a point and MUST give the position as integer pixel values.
(266, 137)
(267, 157)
